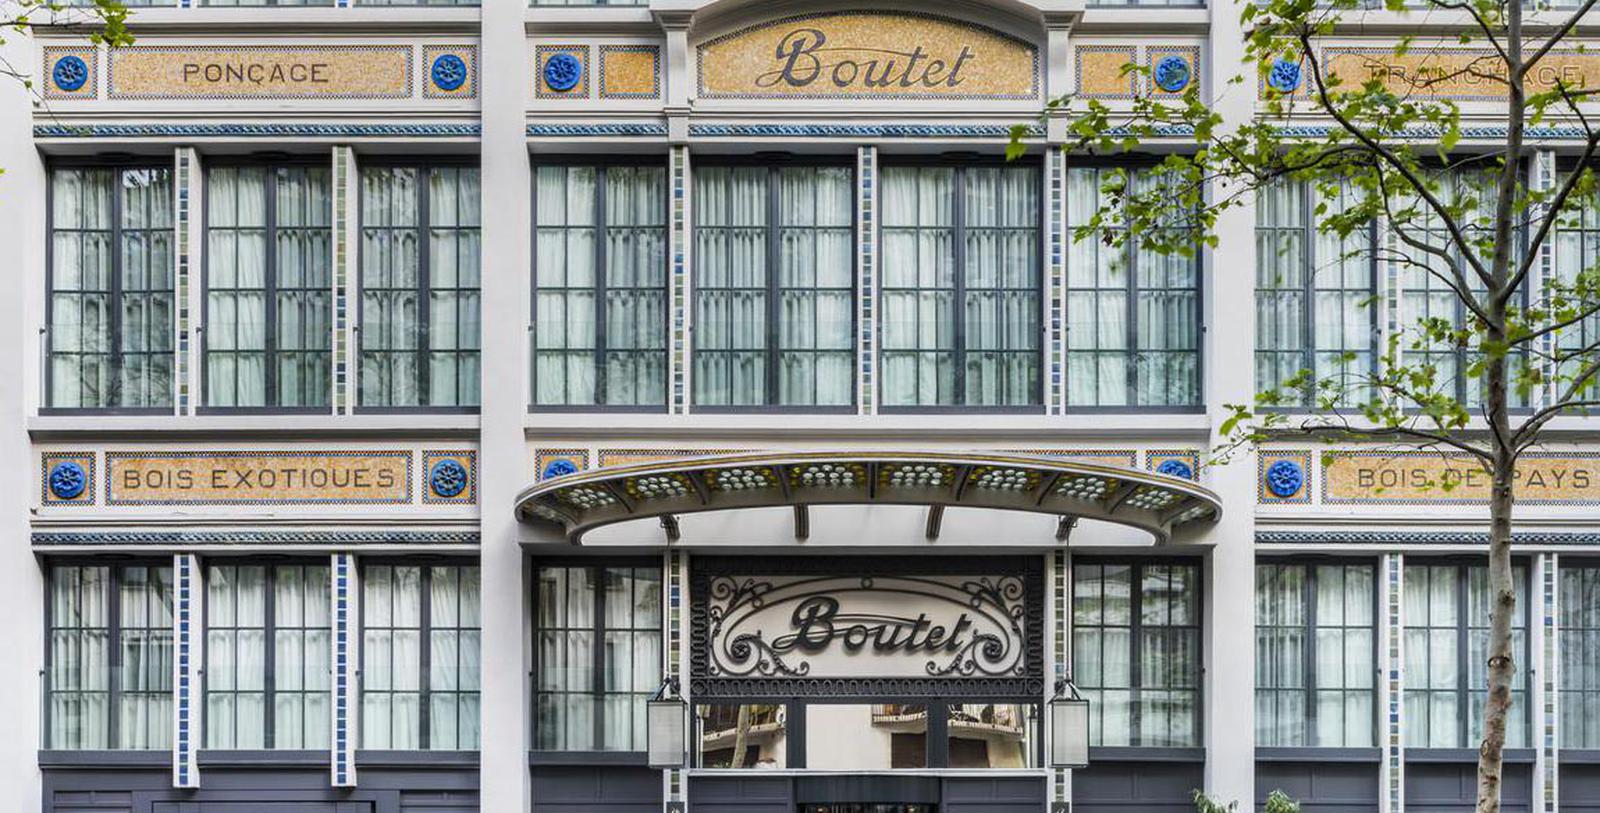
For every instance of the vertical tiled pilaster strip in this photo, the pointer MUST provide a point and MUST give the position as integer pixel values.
(1056, 169)
(186, 637)
(1549, 652)
(866, 286)
(183, 170)
(343, 226)
(1544, 178)
(679, 294)
(674, 792)
(1393, 768)
(1060, 778)
(344, 671)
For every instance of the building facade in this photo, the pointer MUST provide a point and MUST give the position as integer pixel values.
(406, 393)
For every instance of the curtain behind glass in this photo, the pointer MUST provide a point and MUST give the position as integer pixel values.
(635, 361)
(301, 650)
(1001, 311)
(455, 651)
(304, 286)
(730, 291)
(1577, 248)
(1580, 657)
(236, 657)
(454, 280)
(918, 285)
(80, 658)
(145, 675)
(390, 266)
(1446, 686)
(391, 657)
(816, 286)
(576, 708)
(1136, 646)
(236, 283)
(1314, 655)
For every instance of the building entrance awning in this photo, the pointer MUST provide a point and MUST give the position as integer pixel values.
(579, 503)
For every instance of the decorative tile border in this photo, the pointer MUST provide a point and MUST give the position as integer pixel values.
(636, 129)
(622, 59)
(1104, 71)
(85, 462)
(1394, 675)
(185, 163)
(867, 282)
(245, 538)
(1183, 463)
(120, 131)
(431, 89)
(1550, 654)
(187, 640)
(1544, 179)
(1056, 183)
(1264, 463)
(53, 72)
(877, 131)
(1061, 654)
(342, 237)
(404, 455)
(677, 566)
(343, 758)
(1423, 538)
(542, 54)
(678, 299)
(438, 477)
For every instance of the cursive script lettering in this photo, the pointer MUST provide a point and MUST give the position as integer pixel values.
(801, 54)
(817, 623)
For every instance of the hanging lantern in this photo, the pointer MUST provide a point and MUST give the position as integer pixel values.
(666, 716)
(1069, 727)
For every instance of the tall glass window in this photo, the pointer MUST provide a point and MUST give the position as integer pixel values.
(420, 274)
(110, 658)
(599, 656)
(1447, 608)
(1133, 314)
(269, 286)
(111, 290)
(1579, 646)
(420, 648)
(961, 286)
(774, 286)
(267, 656)
(1136, 651)
(1315, 296)
(1314, 655)
(600, 290)
(1577, 248)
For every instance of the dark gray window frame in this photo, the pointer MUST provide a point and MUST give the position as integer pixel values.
(270, 289)
(774, 229)
(424, 283)
(1309, 597)
(114, 576)
(601, 164)
(115, 165)
(961, 163)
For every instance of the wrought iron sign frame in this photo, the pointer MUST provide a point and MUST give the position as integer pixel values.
(1020, 596)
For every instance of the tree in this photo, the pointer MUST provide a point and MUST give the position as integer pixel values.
(106, 19)
(1386, 145)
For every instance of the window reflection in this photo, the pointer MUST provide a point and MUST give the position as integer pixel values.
(992, 735)
(742, 736)
(866, 737)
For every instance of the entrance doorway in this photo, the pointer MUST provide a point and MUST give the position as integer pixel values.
(869, 807)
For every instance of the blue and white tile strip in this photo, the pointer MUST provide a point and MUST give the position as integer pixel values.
(1544, 178)
(186, 636)
(1060, 595)
(343, 181)
(344, 671)
(867, 260)
(679, 295)
(675, 790)
(1056, 183)
(1550, 653)
(1394, 758)
(184, 161)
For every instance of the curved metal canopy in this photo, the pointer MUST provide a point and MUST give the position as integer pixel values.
(579, 503)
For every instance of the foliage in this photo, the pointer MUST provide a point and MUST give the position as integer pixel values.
(106, 22)
(1277, 802)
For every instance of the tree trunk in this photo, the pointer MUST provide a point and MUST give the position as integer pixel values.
(1501, 660)
(741, 732)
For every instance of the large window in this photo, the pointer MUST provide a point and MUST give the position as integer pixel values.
(598, 642)
(1136, 651)
(1577, 249)
(1133, 314)
(774, 286)
(1315, 651)
(269, 286)
(600, 285)
(420, 647)
(1579, 646)
(110, 657)
(961, 286)
(268, 651)
(111, 291)
(1447, 608)
(1315, 297)
(419, 286)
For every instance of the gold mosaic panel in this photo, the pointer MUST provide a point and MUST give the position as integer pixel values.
(1455, 73)
(261, 72)
(1411, 478)
(632, 457)
(630, 72)
(47, 82)
(257, 478)
(1101, 74)
(863, 54)
(468, 54)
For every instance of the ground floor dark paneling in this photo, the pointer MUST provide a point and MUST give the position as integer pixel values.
(1451, 786)
(1322, 782)
(1580, 784)
(448, 786)
(596, 789)
(786, 794)
(1150, 787)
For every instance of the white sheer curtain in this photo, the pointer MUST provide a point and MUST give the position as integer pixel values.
(1281, 643)
(636, 285)
(731, 285)
(390, 264)
(145, 677)
(301, 658)
(816, 282)
(1445, 687)
(454, 279)
(236, 659)
(80, 658)
(81, 263)
(565, 284)
(304, 286)
(918, 285)
(236, 280)
(1579, 649)
(1325, 613)
(1097, 300)
(391, 665)
(1001, 275)
(1102, 648)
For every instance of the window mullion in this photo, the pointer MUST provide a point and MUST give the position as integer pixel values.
(270, 295)
(424, 290)
(114, 657)
(1308, 308)
(424, 655)
(269, 624)
(598, 661)
(1131, 308)
(774, 288)
(602, 257)
(113, 395)
(1463, 642)
(1135, 663)
(959, 306)
(1309, 653)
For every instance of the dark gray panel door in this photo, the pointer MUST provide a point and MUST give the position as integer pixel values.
(1148, 787)
(741, 794)
(1321, 787)
(1580, 788)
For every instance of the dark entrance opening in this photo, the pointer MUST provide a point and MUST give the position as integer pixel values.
(869, 807)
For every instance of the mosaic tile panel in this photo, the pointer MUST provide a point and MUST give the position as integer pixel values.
(1056, 183)
(185, 159)
(1060, 596)
(66, 478)
(1544, 177)
(867, 262)
(629, 457)
(1108, 457)
(223, 72)
(1100, 71)
(450, 477)
(1183, 463)
(343, 768)
(1394, 764)
(440, 77)
(679, 294)
(343, 178)
(1153, 55)
(541, 82)
(1550, 669)
(70, 73)
(630, 72)
(677, 638)
(1269, 471)
(186, 637)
